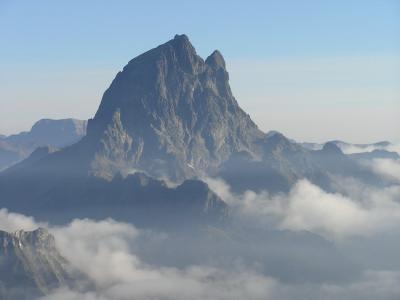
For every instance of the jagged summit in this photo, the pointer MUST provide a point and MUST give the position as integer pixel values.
(169, 113)
(182, 41)
(216, 60)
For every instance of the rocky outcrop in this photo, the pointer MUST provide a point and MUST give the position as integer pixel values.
(170, 113)
(30, 265)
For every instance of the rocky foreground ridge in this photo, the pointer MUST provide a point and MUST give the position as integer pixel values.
(30, 265)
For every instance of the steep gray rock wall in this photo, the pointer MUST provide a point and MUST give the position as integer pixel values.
(170, 113)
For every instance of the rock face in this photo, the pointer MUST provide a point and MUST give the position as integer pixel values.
(170, 113)
(30, 264)
(45, 132)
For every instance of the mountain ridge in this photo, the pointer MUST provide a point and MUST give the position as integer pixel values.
(172, 109)
(45, 132)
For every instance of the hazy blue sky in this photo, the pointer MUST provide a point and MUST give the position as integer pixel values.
(315, 70)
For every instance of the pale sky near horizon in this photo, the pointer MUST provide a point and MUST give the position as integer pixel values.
(314, 70)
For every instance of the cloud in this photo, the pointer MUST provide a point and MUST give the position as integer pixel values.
(105, 252)
(364, 212)
(372, 285)
(388, 168)
(12, 221)
(353, 148)
(333, 215)
(99, 249)
(394, 147)
(67, 294)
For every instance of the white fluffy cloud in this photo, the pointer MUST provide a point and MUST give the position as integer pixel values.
(11, 221)
(333, 215)
(99, 249)
(103, 251)
(372, 285)
(307, 207)
(388, 168)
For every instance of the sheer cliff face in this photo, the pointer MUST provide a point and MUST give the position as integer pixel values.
(169, 113)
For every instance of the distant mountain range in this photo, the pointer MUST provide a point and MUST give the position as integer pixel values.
(346, 147)
(45, 132)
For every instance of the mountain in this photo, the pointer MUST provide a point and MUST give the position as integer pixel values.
(56, 133)
(349, 147)
(168, 115)
(281, 165)
(352, 148)
(332, 159)
(8, 156)
(36, 155)
(136, 198)
(30, 265)
(377, 153)
(45, 132)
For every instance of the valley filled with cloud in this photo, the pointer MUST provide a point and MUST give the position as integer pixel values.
(117, 261)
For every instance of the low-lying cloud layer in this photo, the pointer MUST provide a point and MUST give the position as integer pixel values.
(388, 168)
(104, 251)
(354, 148)
(112, 256)
(307, 207)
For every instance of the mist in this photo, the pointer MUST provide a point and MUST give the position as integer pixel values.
(304, 244)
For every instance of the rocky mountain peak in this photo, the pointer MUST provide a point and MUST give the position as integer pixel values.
(181, 41)
(177, 116)
(276, 142)
(216, 60)
(331, 148)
